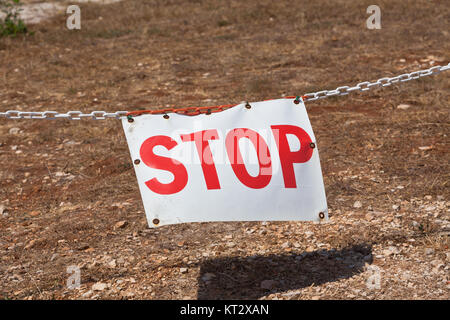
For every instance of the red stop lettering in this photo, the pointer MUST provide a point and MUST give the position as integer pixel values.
(154, 161)
(237, 163)
(201, 139)
(287, 157)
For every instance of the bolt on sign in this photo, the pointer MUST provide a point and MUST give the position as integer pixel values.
(253, 162)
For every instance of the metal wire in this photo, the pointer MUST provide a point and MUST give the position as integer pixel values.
(340, 91)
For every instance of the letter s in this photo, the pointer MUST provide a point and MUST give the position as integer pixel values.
(173, 166)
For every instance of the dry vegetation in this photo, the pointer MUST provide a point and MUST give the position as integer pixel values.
(69, 196)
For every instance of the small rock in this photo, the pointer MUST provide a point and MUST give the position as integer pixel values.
(14, 131)
(426, 148)
(369, 216)
(437, 263)
(183, 270)
(208, 276)
(82, 247)
(34, 213)
(99, 286)
(3, 210)
(285, 245)
(121, 224)
(127, 294)
(429, 251)
(31, 244)
(87, 294)
(403, 106)
(268, 284)
(112, 264)
(390, 251)
(357, 204)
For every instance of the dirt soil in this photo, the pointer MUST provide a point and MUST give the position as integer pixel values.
(68, 192)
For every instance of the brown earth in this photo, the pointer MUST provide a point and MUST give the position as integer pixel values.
(68, 192)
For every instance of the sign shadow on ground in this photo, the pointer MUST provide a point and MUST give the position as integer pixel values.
(256, 276)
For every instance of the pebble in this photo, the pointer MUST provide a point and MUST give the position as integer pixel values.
(82, 247)
(285, 245)
(208, 276)
(357, 204)
(99, 286)
(14, 131)
(390, 251)
(112, 264)
(183, 270)
(121, 224)
(31, 244)
(268, 284)
(436, 263)
(3, 210)
(403, 106)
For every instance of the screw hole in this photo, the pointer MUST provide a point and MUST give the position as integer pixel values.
(312, 145)
(321, 215)
(137, 161)
(166, 116)
(155, 221)
(247, 105)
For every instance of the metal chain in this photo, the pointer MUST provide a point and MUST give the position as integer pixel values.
(340, 91)
(384, 82)
(71, 115)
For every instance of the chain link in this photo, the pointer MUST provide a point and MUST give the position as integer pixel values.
(383, 82)
(71, 115)
(340, 91)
